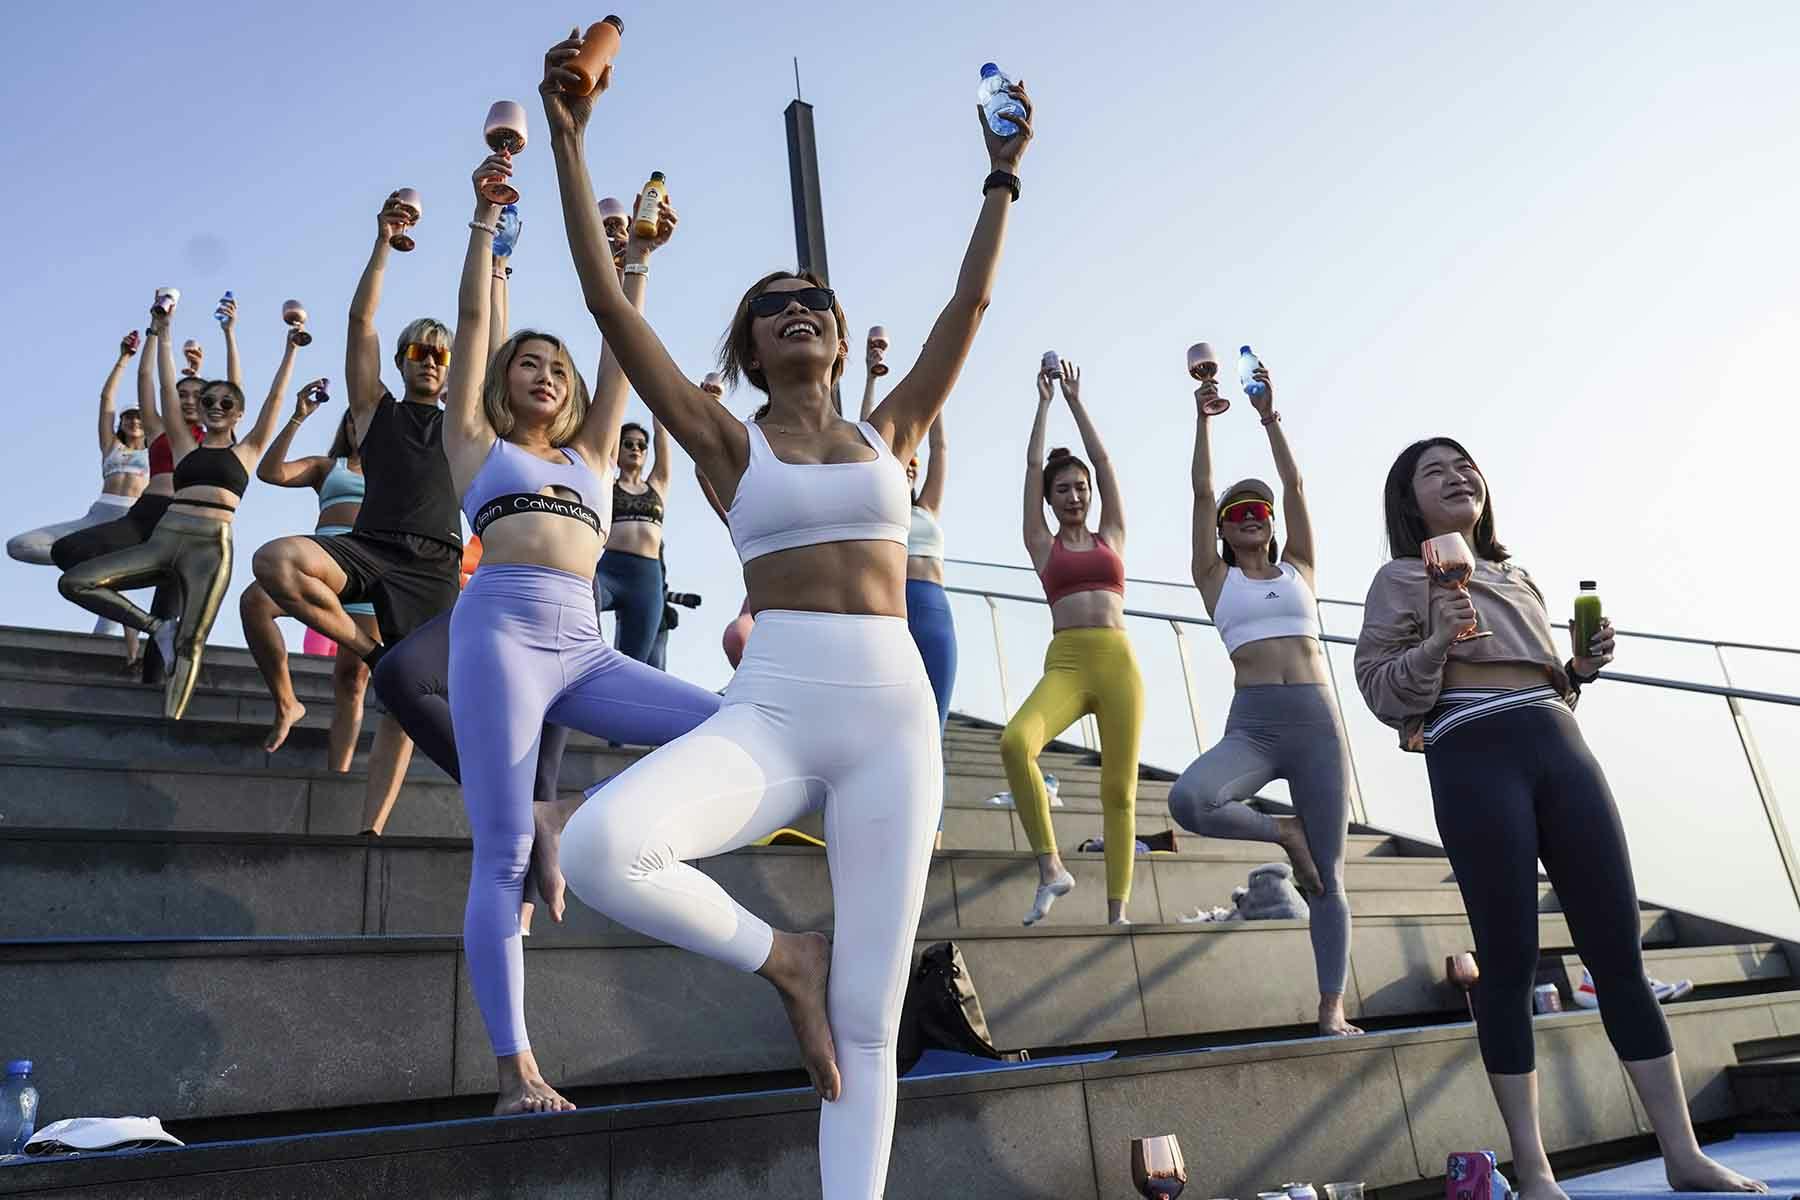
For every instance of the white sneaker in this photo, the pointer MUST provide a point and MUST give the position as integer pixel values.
(1047, 894)
(1585, 996)
(1005, 799)
(1666, 992)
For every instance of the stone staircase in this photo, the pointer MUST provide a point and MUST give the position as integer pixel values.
(193, 931)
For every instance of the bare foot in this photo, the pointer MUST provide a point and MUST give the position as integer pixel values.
(530, 1096)
(1333, 1022)
(545, 872)
(1705, 1175)
(800, 966)
(1306, 872)
(1544, 1188)
(286, 717)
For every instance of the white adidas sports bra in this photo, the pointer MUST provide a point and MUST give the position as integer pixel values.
(1255, 610)
(781, 505)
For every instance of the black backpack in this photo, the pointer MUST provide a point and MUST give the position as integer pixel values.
(942, 1011)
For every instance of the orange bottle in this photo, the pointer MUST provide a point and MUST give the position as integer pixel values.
(650, 206)
(598, 46)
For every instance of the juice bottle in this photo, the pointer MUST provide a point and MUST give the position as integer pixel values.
(598, 45)
(649, 204)
(1587, 616)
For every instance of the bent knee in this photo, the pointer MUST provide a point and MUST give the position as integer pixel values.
(604, 860)
(1192, 799)
(1015, 745)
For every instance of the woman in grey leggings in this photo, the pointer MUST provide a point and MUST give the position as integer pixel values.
(1284, 721)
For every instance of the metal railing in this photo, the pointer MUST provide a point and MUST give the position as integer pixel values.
(1734, 697)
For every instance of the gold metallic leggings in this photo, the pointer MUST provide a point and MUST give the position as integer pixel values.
(191, 552)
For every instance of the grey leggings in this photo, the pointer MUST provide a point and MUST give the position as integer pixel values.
(1282, 731)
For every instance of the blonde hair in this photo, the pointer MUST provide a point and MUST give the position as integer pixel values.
(495, 402)
(427, 331)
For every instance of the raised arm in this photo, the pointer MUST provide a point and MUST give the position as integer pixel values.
(664, 467)
(181, 438)
(931, 494)
(467, 434)
(250, 448)
(714, 438)
(362, 344)
(599, 435)
(917, 399)
(1037, 530)
(276, 467)
(234, 367)
(1208, 568)
(1299, 549)
(1112, 503)
(499, 304)
(109, 421)
(146, 386)
(712, 497)
(868, 400)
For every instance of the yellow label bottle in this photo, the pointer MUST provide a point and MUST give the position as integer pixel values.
(649, 205)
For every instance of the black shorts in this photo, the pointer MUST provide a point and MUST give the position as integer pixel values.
(409, 579)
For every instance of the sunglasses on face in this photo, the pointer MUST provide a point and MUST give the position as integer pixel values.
(767, 304)
(420, 352)
(634, 445)
(219, 404)
(1247, 510)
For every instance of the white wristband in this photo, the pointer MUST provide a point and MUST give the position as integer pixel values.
(637, 269)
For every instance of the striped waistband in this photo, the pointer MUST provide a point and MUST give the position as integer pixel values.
(1459, 706)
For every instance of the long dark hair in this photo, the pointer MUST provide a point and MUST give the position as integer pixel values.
(1229, 556)
(343, 443)
(735, 350)
(1060, 460)
(1406, 524)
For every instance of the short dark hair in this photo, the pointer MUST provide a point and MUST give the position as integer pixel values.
(1406, 524)
(636, 426)
(735, 351)
(1060, 460)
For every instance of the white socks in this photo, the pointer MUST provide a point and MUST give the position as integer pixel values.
(1047, 893)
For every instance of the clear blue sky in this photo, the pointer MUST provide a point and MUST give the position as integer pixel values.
(1563, 233)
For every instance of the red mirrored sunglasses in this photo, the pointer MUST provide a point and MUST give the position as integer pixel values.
(1247, 510)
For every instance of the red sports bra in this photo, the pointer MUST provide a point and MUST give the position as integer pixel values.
(162, 457)
(1071, 571)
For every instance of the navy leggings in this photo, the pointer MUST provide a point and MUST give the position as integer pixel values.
(934, 633)
(630, 587)
(413, 681)
(1511, 789)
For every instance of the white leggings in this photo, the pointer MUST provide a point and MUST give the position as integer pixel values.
(826, 710)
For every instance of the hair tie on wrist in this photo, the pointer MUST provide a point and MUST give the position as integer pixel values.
(491, 230)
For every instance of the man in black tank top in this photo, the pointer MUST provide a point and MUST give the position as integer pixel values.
(405, 553)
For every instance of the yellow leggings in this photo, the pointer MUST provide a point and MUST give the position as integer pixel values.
(1085, 671)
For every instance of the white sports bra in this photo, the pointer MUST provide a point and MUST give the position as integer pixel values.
(925, 539)
(781, 505)
(122, 460)
(1254, 610)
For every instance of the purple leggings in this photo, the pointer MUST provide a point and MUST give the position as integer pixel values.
(525, 649)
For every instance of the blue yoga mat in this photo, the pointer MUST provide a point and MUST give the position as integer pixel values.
(949, 1062)
(1773, 1158)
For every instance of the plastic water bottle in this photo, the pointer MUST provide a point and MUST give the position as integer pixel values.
(510, 224)
(219, 312)
(18, 1107)
(998, 104)
(1248, 365)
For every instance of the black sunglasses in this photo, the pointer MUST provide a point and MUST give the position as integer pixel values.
(634, 445)
(222, 404)
(767, 304)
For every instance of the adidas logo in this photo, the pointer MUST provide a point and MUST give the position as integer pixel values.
(1273, 596)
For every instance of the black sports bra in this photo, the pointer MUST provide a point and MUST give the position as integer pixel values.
(212, 466)
(646, 505)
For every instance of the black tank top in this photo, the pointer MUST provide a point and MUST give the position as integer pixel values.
(212, 466)
(637, 506)
(407, 477)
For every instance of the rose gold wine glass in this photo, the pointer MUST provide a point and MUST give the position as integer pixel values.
(878, 344)
(195, 355)
(295, 315)
(1450, 563)
(713, 385)
(166, 300)
(505, 133)
(1052, 365)
(406, 201)
(1203, 365)
(1156, 1166)
(1462, 972)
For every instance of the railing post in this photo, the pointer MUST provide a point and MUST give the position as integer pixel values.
(1359, 809)
(1765, 788)
(1187, 679)
(999, 660)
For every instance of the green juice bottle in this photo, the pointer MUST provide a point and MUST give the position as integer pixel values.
(1587, 616)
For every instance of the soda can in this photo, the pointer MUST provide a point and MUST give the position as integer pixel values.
(1301, 1191)
(1546, 999)
(1052, 365)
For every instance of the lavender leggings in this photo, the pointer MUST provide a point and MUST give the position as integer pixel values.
(525, 648)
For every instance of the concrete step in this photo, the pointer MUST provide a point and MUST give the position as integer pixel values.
(61, 883)
(185, 1029)
(1246, 1115)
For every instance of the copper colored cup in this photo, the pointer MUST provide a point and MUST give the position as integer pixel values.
(295, 314)
(407, 200)
(1203, 365)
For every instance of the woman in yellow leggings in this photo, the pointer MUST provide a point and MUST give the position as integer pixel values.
(1089, 667)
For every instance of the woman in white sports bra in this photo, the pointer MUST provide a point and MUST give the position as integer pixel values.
(124, 473)
(1284, 721)
(337, 477)
(830, 708)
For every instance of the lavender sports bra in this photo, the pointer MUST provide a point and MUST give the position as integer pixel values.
(512, 480)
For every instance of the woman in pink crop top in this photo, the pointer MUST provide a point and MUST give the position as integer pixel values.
(1513, 784)
(1089, 666)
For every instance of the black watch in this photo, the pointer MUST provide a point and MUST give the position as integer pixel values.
(1005, 179)
(1575, 677)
